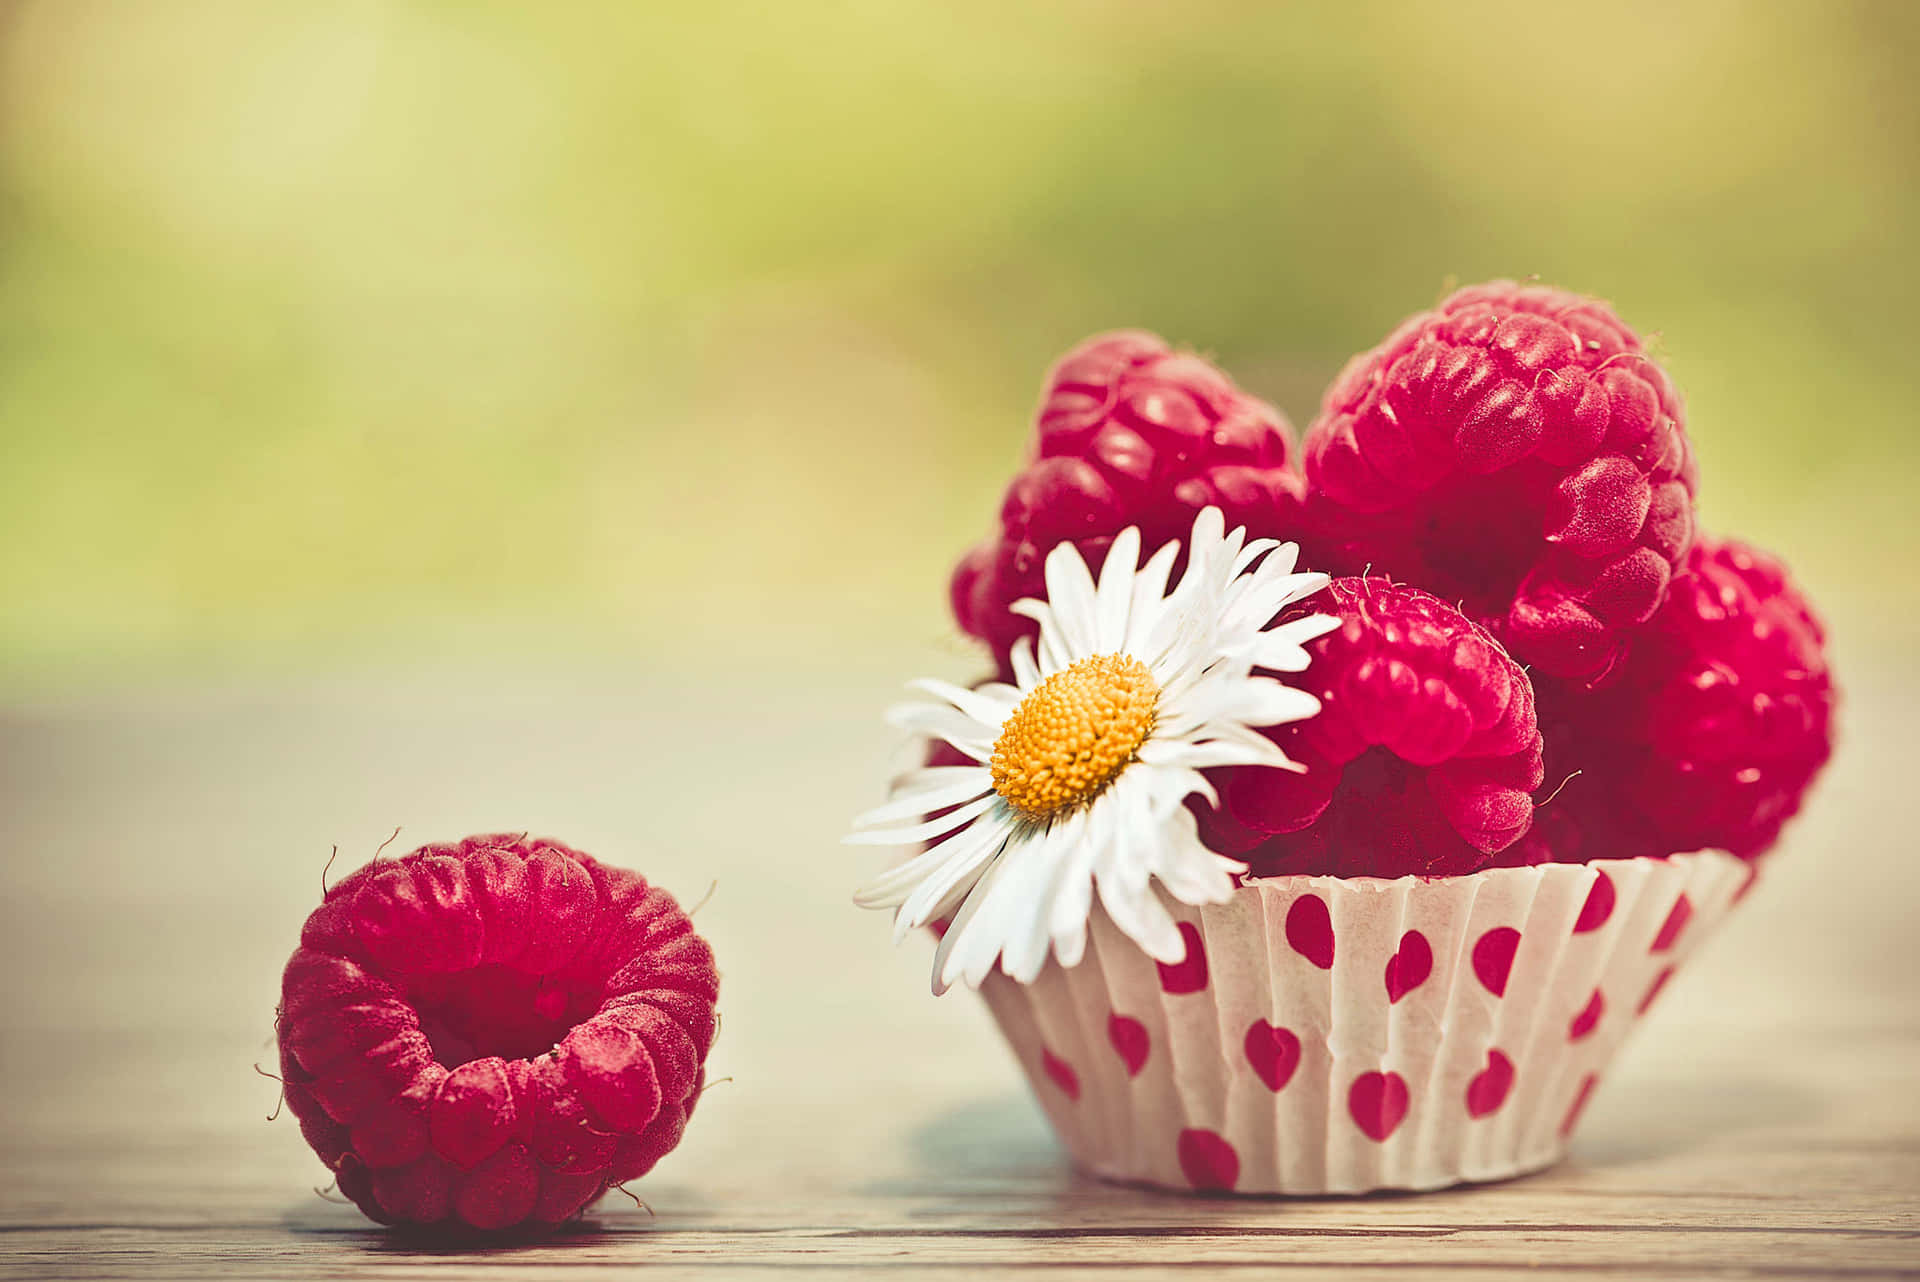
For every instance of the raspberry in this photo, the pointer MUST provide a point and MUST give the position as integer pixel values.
(1420, 760)
(1720, 719)
(1517, 451)
(488, 1035)
(1129, 432)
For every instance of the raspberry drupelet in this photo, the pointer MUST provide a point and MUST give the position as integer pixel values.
(1129, 432)
(1421, 759)
(486, 1036)
(1515, 450)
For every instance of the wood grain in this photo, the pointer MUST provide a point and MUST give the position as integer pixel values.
(163, 848)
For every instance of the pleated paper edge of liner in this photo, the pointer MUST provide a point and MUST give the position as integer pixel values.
(1197, 1114)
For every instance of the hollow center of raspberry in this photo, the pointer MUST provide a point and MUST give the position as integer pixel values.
(496, 1010)
(1073, 733)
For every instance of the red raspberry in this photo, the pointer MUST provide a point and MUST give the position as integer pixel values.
(486, 1036)
(1129, 432)
(1517, 451)
(1720, 719)
(1420, 760)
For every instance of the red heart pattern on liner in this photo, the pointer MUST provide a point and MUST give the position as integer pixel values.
(1208, 1161)
(1378, 1103)
(1675, 923)
(1189, 974)
(1589, 1017)
(1493, 958)
(1130, 1041)
(1654, 990)
(1488, 1091)
(1408, 968)
(1310, 930)
(1597, 907)
(1061, 1074)
(1274, 1053)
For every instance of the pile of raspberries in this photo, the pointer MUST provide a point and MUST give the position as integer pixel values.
(1540, 658)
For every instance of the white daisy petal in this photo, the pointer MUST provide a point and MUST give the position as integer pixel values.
(1071, 594)
(920, 778)
(1266, 702)
(1258, 600)
(1282, 560)
(1013, 923)
(1051, 654)
(1211, 754)
(894, 886)
(1302, 586)
(945, 966)
(891, 887)
(1001, 692)
(1066, 915)
(950, 902)
(950, 725)
(1277, 654)
(1253, 552)
(1149, 591)
(1005, 928)
(1142, 918)
(1254, 701)
(1126, 863)
(1305, 629)
(1115, 594)
(927, 790)
(919, 832)
(1172, 785)
(1026, 672)
(1021, 914)
(962, 858)
(1259, 749)
(1210, 537)
(1070, 941)
(981, 704)
(1033, 608)
(1192, 873)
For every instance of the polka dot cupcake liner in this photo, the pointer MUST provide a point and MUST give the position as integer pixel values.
(1340, 1035)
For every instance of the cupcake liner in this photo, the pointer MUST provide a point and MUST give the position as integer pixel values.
(1339, 1035)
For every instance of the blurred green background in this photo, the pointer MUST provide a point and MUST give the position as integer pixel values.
(369, 334)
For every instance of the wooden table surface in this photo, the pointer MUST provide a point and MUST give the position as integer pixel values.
(163, 848)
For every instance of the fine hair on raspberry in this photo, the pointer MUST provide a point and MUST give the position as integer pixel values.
(485, 1036)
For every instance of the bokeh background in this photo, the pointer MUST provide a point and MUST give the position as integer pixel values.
(351, 336)
(467, 417)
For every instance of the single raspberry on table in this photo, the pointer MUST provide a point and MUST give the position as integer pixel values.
(1421, 759)
(1129, 432)
(1720, 719)
(488, 1035)
(1515, 450)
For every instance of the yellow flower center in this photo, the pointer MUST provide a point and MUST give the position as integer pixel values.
(1073, 733)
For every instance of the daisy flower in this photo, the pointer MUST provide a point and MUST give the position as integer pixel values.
(1083, 765)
